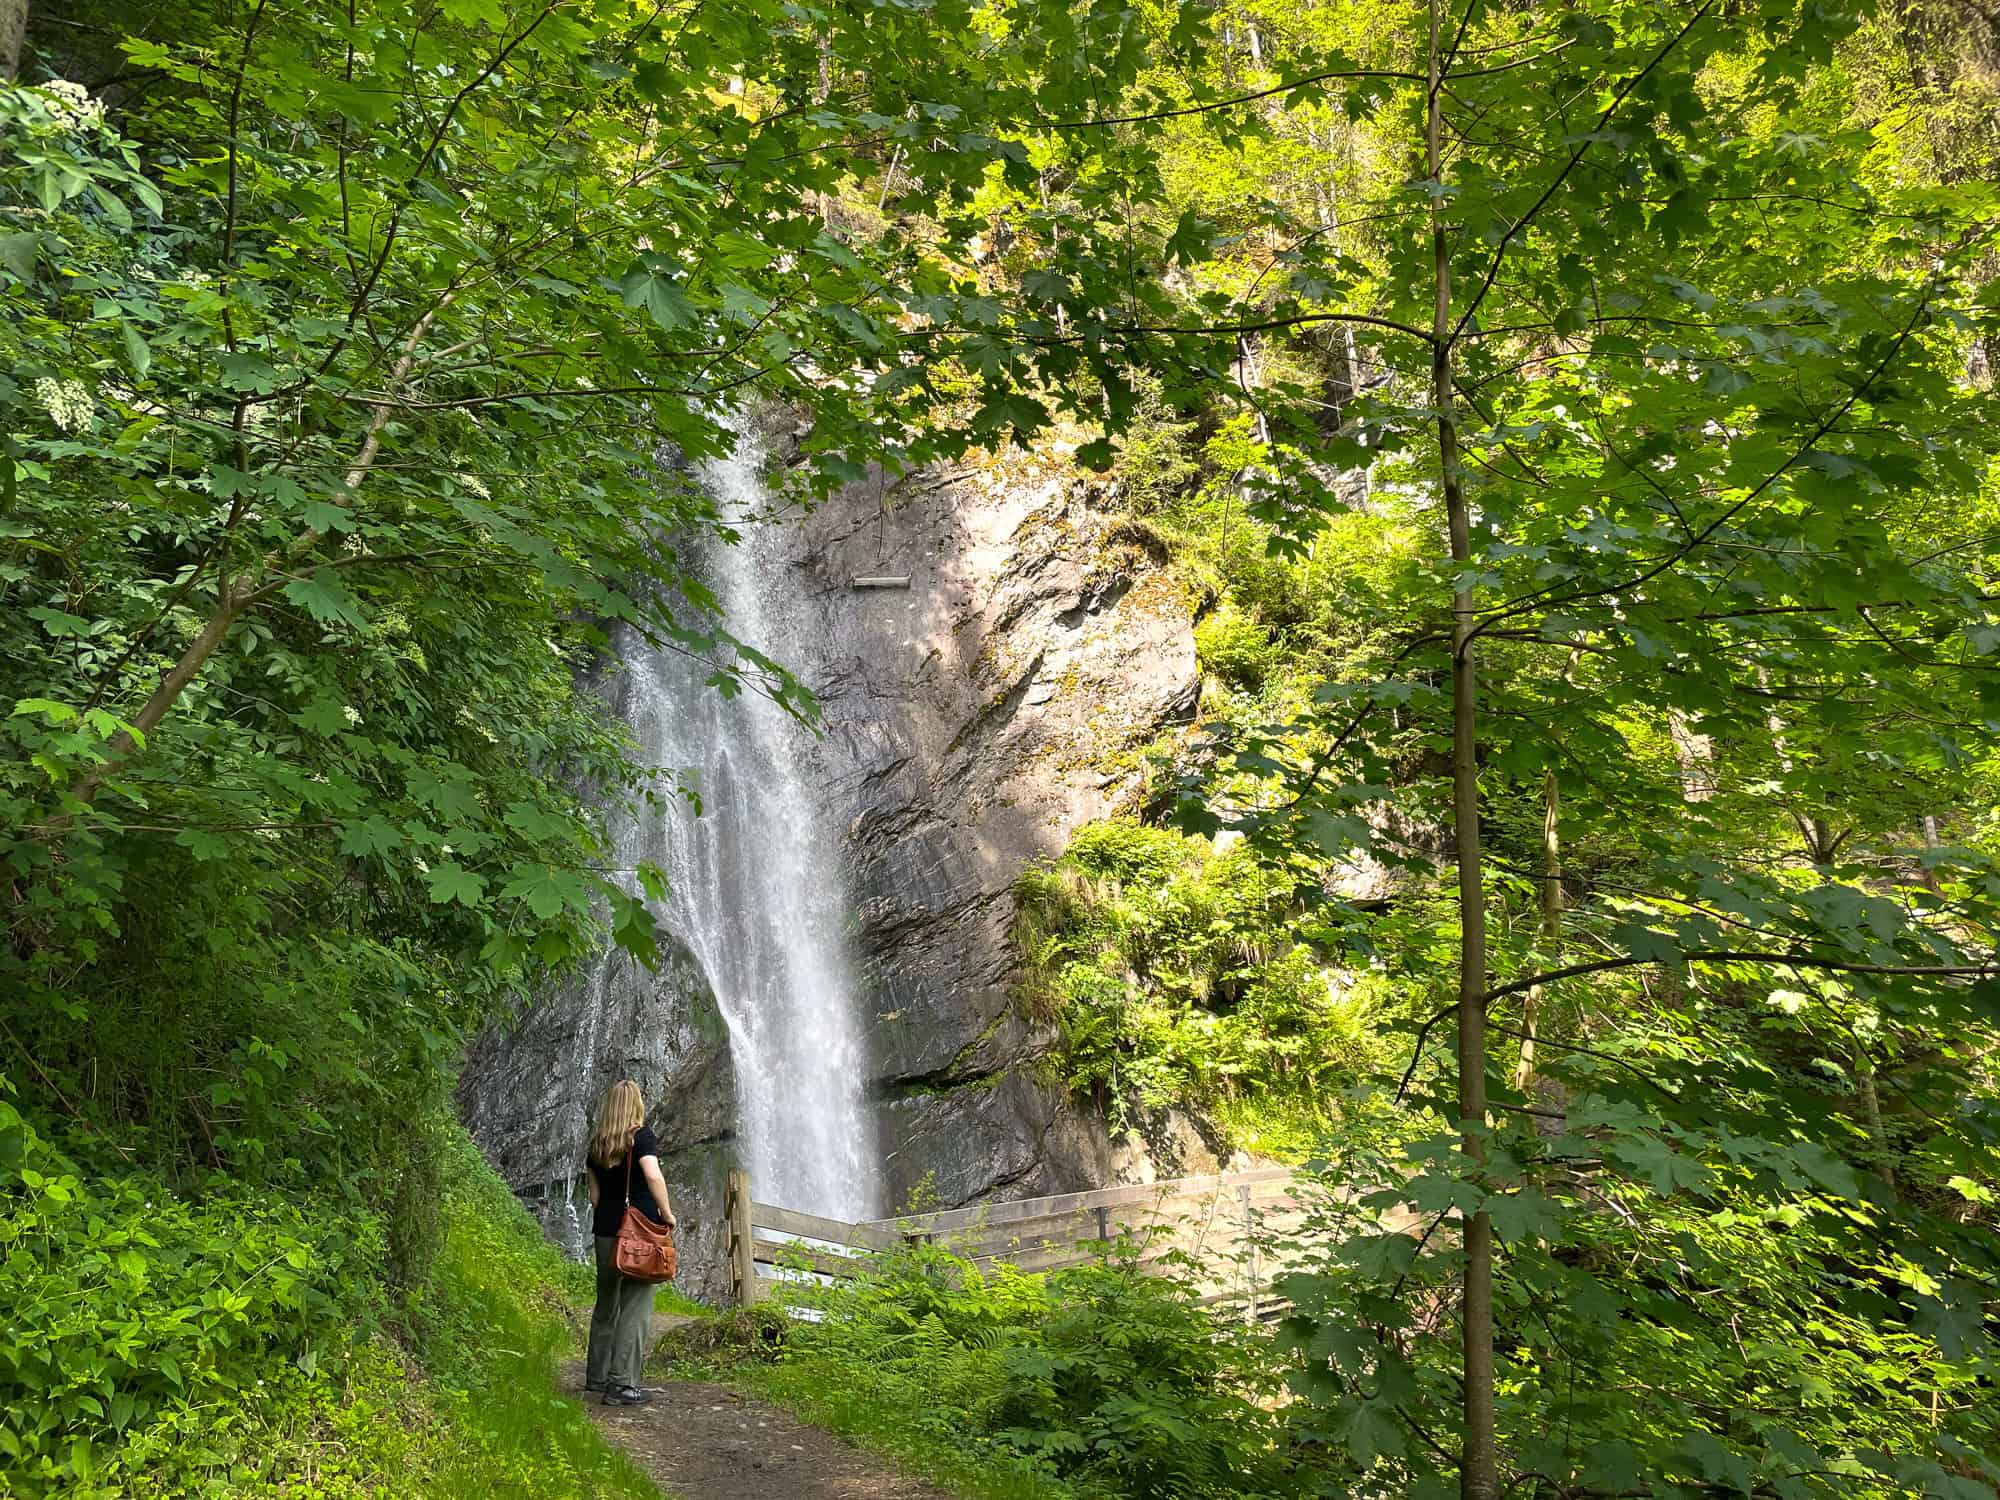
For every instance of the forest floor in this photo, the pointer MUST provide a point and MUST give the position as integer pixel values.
(708, 1442)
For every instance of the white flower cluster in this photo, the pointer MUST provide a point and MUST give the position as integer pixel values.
(67, 402)
(476, 485)
(466, 717)
(71, 103)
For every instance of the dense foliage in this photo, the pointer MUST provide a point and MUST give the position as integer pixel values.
(352, 366)
(1178, 976)
(1578, 420)
(1670, 788)
(161, 1345)
(1103, 1380)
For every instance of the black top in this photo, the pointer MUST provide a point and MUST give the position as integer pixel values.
(611, 1187)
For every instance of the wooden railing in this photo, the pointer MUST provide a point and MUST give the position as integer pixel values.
(1223, 1223)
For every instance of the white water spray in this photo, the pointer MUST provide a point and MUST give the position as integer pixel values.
(755, 890)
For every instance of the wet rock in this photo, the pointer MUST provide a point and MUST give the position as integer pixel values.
(1168, 1143)
(971, 722)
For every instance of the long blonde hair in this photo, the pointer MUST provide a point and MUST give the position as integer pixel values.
(620, 1113)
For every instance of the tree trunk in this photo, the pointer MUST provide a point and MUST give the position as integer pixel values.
(13, 33)
(1871, 1113)
(1479, 1477)
(1552, 921)
(229, 607)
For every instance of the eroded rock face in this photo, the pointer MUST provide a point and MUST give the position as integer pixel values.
(972, 720)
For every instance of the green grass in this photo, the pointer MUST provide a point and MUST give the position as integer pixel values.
(462, 1406)
(506, 1307)
(886, 1416)
(878, 1410)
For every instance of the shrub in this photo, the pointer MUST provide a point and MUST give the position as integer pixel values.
(1176, 975)
(1104, 1376)
(1236, 649)
(162, 1345)
(1131, 1381)
(136, 1315)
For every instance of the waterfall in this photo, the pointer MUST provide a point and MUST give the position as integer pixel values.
(755, 889)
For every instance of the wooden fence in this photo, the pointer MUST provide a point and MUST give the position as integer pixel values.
(1226, 1224)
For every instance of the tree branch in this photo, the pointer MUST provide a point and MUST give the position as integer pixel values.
(1733, 956)
(1827, 424)
(1624, 91)
(1288, 87)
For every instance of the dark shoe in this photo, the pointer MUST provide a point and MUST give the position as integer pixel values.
(626, 1395)
(594, 1387)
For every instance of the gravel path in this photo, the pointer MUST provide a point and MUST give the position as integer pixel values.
(707, 1442)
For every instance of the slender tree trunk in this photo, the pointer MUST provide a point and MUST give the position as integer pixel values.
(1479, 1477)
(1552, 921)
(229, 609)
(13, 33)
(1871, 1112)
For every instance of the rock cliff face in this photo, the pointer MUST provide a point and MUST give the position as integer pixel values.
(972, 721)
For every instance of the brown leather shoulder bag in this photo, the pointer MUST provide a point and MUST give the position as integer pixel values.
(644, 1250)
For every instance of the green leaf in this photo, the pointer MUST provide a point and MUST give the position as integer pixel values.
(536, 822)
(325, 598)
(1369, 1432)
(372, 835)
(451, 881)
(325, 716)
(205, 844)
(249, 373)
(548, 893)
(324, 515)
(1097, 454)
(650, 284)
(19, 252)
(53, 712)
(59, 622)
(137, 350)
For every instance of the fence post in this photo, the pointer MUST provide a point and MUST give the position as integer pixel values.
(1250, 1242)
(742, 1249)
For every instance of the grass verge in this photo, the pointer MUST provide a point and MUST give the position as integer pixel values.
(881, 1411)
(463, 1405)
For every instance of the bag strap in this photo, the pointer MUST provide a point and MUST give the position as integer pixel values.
(629, 1153)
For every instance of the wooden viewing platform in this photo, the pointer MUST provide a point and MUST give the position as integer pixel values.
(1226, 1222)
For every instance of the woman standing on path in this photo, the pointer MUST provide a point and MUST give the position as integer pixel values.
(624, 1158)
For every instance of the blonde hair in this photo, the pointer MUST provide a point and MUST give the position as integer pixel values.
(620, 1113)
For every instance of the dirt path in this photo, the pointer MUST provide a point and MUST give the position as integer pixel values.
(707, 1442)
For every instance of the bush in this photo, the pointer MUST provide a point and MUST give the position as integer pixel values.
(1130, 1381)
(1175, 975)
(163, 1345)
(143, 1324)
(1236, 649)
(1104, 1377)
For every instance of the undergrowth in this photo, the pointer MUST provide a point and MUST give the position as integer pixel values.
(1178, 976)
(162, 1344)
(1097, 1382)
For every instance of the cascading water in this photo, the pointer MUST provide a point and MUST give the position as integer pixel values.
(755, 893)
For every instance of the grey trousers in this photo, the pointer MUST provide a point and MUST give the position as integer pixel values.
(619, 1323)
